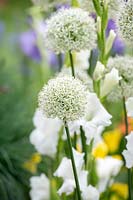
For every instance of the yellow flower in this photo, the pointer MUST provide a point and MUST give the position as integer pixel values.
(31, 164)
(121, 189)
(100, 151)
(117, 156)
(78, 148)
(112, 139)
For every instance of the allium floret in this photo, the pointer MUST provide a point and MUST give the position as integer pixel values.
(70, 29)
(125, 21)
(63, 97)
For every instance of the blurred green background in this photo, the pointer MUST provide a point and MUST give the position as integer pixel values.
(20, 81)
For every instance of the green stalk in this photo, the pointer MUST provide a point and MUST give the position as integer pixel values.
(72, 63)
(129, 172)
(84, 146)
(73, 161)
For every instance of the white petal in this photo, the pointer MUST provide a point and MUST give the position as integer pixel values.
(96, 113)
(67, 187)
(110, 81)
(129, 158)
(90, 193)
(40, 187)
(130, 142)
(129, 106)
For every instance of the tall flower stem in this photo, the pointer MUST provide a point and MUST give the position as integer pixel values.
(129, 170)
(83, 139)
(73, 161)
(84, 146)
(72, 63)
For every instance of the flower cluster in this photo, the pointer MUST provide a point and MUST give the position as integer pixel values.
(70, 29)
(63, 97)
(125, 21)
(124, 64)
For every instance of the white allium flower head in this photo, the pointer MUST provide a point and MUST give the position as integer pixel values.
(63, 97)
(46, 133)
(65, 172)
(125, 21)
(128, 154)
(40, 187)
(70, 29)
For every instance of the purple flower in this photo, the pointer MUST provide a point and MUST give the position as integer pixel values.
(55, 61)
(118, 45)
(2, 29)
(28, 45)
(60, 5)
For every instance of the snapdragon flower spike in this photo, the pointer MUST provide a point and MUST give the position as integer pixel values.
(70, 29)
(125, 21)
(64, 98)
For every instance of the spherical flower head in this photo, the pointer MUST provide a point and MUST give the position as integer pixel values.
(124, 64)
(70, 29)
(125, 21)
(63, 97)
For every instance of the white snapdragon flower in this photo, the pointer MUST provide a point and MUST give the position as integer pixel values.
(110, 81)
(45, 135)
(65, 171)
(107, 168)
(90, 193)
(40, 187)
(70, 29)
(128, 154)
(63, 97)
(96, 113)
(129, 106)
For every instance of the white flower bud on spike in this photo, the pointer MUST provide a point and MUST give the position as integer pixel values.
(110, 41)
(110, 81)
(99, 70)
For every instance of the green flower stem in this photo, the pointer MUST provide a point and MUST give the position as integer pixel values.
(72, 63)
(129, 172)
(60, 61)
(73, 161)
(84, 146)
